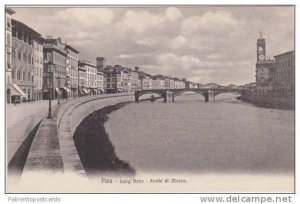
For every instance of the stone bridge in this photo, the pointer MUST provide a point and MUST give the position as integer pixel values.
(169, 94)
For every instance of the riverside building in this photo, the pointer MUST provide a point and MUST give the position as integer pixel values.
(55, 69)
(10, 89)
(179, 84)
(91, 76)
(38, 69)
(169, 83)
(22, 68)
(72, 70)
(284, 77)
(100, 82)
(158, 82)
(146, 80)
(82, 80)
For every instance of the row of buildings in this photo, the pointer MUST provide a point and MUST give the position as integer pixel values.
(41, 67)
(275, 75)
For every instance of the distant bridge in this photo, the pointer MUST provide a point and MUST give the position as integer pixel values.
(169, 94)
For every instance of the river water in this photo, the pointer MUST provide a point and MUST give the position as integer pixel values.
(225, 136)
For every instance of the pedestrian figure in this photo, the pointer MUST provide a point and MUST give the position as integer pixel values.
(152, 98)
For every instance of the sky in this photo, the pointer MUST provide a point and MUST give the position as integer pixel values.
(204, 44)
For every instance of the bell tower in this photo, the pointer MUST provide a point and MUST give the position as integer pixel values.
(261, 48)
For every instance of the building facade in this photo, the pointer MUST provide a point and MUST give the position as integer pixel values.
(265, 68)
(284, 77)
(146, 81)
(135, 81)
(117, 79)
(169, 83)
(100, 82)
(158, 82)
(91, 76)
(72, 70)
(38, 69)
(22, 74)
(55, 69)
(82, 80)
(179, 84)
(8, 56)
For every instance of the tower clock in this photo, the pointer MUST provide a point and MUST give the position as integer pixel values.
(261, 49)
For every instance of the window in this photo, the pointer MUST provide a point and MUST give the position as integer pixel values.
(8, 23)
(19, 74)
(13, 73)
(8, 79)
(19, 55)
(24, 75)
(8, 42)
(25, 57)
(29, 59)
(29, 76)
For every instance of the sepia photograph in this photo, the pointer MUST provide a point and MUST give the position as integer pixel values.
(149, 99)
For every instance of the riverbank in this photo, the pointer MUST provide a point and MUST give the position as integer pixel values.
(96, 151)
(94, 147)
(270, 100)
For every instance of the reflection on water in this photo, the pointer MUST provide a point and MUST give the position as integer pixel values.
(193, 136)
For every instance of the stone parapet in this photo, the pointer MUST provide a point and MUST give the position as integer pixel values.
(53, 147)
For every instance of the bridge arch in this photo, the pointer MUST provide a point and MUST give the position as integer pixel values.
(138, 94)
(181, 92)
(234, 94)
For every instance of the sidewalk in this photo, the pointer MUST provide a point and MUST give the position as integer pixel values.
(20, 120)
(16, 113)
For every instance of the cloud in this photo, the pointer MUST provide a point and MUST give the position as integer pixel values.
(201, 43)
(212, 22)
(213, 56)
(86, 16)
(173, 13)
(147, 41)
(140, 21)
(125, 56)
(178, 42)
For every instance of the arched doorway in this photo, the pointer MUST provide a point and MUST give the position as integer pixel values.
(8, 96)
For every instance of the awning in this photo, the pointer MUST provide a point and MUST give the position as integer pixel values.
(13, 90)
(66, 89)
(95, 90)
(18, 91)
(86, 90)
(57, 90)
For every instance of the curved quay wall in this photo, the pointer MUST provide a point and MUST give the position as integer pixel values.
(62, 127)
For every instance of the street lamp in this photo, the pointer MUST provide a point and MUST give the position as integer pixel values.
(50, 85)
(67, 85)
(58, 93)
(32, 83)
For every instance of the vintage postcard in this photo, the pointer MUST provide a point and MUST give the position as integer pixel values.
(150, 99)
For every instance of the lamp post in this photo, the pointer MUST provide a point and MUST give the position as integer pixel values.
(50, 84)
(67, 85)
(32, 83)
(58, 94)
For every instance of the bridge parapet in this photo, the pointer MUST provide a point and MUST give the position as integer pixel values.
(208, 93)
